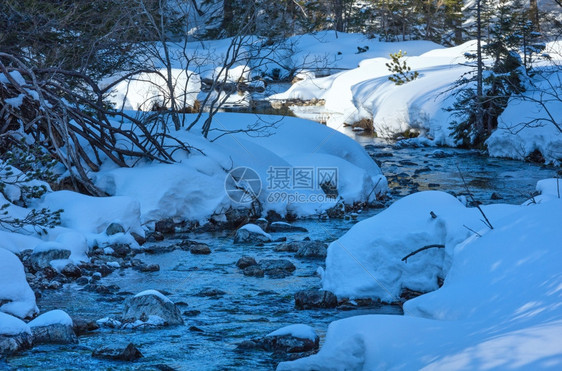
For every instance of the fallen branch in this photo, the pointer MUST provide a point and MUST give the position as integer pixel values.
(438, 246)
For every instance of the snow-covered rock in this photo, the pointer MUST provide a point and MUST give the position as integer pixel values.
(46, 252)
(147, 305)
(15, 335)
(498, 308)
(54, 327)
(251, 233)
(296, 338)
(366, 262)
(16, 297)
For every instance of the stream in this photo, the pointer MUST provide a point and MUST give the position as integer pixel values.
(252, 307)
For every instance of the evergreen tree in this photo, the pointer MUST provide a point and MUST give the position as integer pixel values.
(478, 109)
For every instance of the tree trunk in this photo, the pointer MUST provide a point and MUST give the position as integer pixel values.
(338, 14)
(228, 15)
(534, 14)
(479, 114)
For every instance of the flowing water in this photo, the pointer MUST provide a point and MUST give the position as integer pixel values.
(253, 307)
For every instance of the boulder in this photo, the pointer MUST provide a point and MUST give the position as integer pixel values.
(114, 228)
(200, 249)
(140, 239)
(15, 335)
(253, 271)
(129, 353)
(290, 339)
(311, 299)
(54, 327)
(151, 303)
(304, 248)
(312, 249)
(262, 223)
(120, 250)
(245, 261)
(54, 334)
(82, 326)
(71, 270)
(251, 234)
(42, 258)
(277, 268)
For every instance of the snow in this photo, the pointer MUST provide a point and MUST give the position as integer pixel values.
(16, 242)
(366, 262)
(253, 228)
(10, 325)
(300, 331)
(155, 293)
(53, 317)
(145, 91)
(17, 297)
(89, 214)
(366, 92)
(194, 188)
(169, 191)
(66, 240)
(525, 125)
(550, 187)
(499, 308)
(152, 320)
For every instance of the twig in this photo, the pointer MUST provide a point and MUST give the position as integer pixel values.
(472, 230)
(487, 222)
(438, 246)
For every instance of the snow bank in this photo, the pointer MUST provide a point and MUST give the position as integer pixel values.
(52, 317)
(298, 330)
(366, 261)
(366, 93)
(10, 325)
(16, 242)
(498, 308)
(93, 214)
(16, 297)
(194, 188)
(169, 191)
(526, 124)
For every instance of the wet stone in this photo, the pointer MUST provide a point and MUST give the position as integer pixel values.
(311, 299)
(245, 262)
(253, 271)
(129, 353)
(277, 268)
(210, 292)
(114, 228)
(200, 249)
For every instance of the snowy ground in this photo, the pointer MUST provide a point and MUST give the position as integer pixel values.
(499, 307)
(348, 73)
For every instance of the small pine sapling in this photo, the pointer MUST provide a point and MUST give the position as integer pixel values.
(401, 72)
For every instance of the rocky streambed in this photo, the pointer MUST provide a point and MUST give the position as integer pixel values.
(227, 296)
